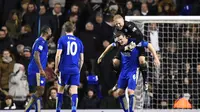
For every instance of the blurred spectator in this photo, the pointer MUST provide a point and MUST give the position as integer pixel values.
(25, 58)
(18, 85)
(154, 36)
(5, 29)
(145, 10)
(7, 6)
(52, 47)
(136, 13)
(5, 41)
(90, 101)
(9, 104)
(52, 3)
(7, 62)
(57, 20)
(13, 24)
(24, 6)
(51, 101)
(167, 8)
(90, 41)
(50, 76)
(153, 6)
(20, 52)
(73, 9)
(26, 37)
(129, 8)
(46, 18)
(73, 18)
(30, 18)
(183, 103)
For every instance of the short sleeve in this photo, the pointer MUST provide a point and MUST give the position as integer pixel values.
(39, 46)
(82, 48)
(145, 44)
(59, 46)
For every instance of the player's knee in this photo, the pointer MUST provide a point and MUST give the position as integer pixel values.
(61, 89)
(73, 90)
(130, 92)
(116, 62)
(115, 94)
(121, 92)
(142, 60)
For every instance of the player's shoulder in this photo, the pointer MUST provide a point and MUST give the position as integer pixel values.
(40, 40)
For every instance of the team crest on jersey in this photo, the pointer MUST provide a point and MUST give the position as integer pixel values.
(40, 47)
(128, 54)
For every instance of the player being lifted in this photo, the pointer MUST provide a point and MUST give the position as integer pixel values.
(131, 31)
(68, 64)
(129, 71)
(36, 74)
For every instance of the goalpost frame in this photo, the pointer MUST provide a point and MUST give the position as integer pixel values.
(168, 19)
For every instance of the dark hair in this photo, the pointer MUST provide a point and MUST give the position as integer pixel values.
(69, 27)
(44, 29)
(119, 33)
(73, 14)
(42, 4)
(50, 60)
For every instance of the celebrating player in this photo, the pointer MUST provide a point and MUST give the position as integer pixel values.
(36, 74)
(130, 30)
(69, 61)
(129, 72)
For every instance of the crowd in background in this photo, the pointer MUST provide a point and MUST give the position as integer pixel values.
(94, 26)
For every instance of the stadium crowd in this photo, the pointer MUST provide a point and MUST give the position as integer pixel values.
(94, 26)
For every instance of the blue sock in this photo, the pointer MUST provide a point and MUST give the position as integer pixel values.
(38, 105)
(59, 102)
(131, 103)
(74, 102)
(30, 104)
(123, 102)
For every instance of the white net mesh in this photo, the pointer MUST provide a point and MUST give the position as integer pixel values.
(178, 45)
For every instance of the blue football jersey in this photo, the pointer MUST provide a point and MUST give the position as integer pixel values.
(41, 46)
(71, 47)
(130, 59)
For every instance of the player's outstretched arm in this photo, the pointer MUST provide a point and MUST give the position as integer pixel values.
(81, 61)
(153, 51)
(37, 60)
(109, 48)
(57, 60)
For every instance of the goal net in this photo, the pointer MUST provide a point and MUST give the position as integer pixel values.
(177, 42)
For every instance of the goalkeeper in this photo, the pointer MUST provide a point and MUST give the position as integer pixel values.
(131, 31)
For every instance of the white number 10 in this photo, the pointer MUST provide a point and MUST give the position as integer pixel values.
(70, 46)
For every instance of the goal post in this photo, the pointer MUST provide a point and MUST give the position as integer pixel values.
(177, 42)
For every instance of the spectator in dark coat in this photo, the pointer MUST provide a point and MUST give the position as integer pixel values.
(5, 41)
(7, 6)
(13, 24)
(90, 43)
(51, 101)
(90, 101)
(30, 18)
(26, 37)
(45, 18)
(58, 21)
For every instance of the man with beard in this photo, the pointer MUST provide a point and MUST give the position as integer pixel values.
(36, 73)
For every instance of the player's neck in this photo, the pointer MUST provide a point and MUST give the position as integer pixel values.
(44, 37)
(69, 33)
